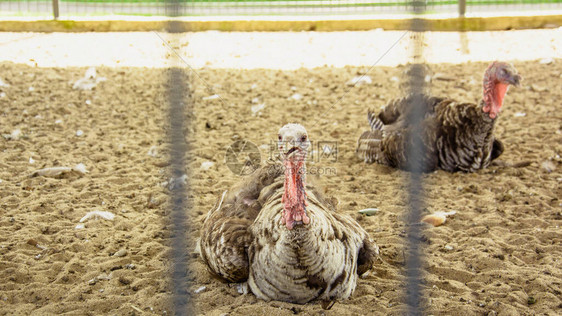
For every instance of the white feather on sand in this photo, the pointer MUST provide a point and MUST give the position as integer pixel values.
(89, 81)
(55, 171)
(3, 84)
(359, 80)
(98, 214)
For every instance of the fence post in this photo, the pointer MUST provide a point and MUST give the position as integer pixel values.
(462, 8)
(56, 9)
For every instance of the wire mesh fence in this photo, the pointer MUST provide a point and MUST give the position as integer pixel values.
(177, 84)
(38, 7)
(266, 7)
(489, 6)
(413, 262)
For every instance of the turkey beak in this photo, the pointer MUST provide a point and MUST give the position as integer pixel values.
(292, 152)
(514, 80)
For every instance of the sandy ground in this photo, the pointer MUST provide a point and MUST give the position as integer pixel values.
(273, 50)
(500, 254)
(502, 248)
(43, 210)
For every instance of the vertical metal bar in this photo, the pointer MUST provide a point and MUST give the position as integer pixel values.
(415, 153)
(177, 98)
(415, 197)
(56, 9)
(462, 8)
(179, 203)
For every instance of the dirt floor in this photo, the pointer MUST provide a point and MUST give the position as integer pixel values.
(501, 253)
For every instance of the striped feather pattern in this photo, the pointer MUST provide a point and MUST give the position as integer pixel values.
(225, 237)
(455, 136)
(321, 260)
(316, 261)
(375, 123)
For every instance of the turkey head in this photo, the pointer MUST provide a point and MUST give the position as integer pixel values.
(497, 79)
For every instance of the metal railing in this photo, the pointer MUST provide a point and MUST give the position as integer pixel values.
(58, 8)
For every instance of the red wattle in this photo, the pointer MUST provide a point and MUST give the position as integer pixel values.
(294, 196)
(501, 90)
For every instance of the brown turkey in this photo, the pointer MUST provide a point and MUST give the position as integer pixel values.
(275, 230)
(456, 136)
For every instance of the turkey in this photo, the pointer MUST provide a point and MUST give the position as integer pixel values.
(456, 136)
(275, 230)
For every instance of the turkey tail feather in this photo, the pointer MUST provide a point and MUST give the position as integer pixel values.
(369, 146)
(375, 123)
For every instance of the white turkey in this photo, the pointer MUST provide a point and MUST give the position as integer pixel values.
(275, 230)
(456, 136)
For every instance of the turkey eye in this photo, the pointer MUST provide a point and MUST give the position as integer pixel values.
(280, 138)
(303, 138)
